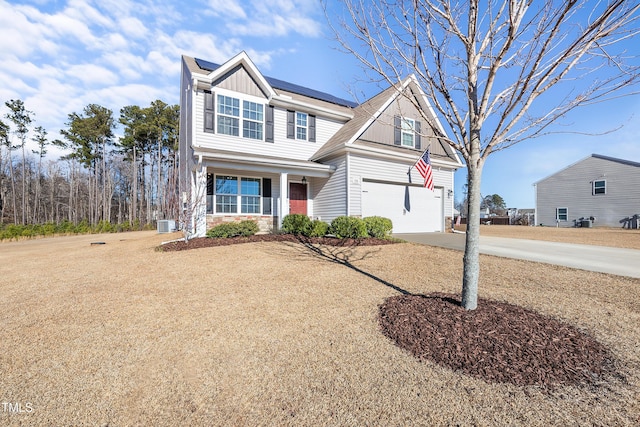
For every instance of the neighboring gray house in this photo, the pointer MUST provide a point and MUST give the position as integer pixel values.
(600, 187)
(254, 147)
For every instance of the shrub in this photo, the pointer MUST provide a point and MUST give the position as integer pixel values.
(345, 227)
(318, 228)
(296, 224)
(378, 227)
(233, 229)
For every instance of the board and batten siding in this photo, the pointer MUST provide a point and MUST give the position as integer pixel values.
(330, 194)
(382, 129)
(281, 147)
(238, 80)
(572, 188)
(384, 170)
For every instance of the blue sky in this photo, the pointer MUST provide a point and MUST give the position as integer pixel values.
(58, 56)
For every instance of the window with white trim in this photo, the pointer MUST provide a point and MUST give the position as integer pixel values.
(235, 194)
(301, 125)
(562, 214)
(228, 115)
(228, 121)
(599, 187)
(408, 132)
(253, 119)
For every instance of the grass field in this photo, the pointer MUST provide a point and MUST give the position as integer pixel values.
(120, 334)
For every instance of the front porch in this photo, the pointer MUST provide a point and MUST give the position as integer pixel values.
(261, 191)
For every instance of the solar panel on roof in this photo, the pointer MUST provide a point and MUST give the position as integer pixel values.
(289, 87)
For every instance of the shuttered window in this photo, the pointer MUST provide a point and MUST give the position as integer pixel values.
(228, 115)
(235, 194)
(253, 119)
(406, 132)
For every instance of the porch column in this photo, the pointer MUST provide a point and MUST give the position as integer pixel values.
(284, 198)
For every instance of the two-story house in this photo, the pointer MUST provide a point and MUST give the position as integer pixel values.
(255, 147)
(604, 188)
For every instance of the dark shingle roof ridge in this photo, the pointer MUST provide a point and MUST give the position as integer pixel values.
(289, 87)
(614, 159)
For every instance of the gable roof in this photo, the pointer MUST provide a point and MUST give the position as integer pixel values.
(366, 113)
(286, 86)
(595, 156)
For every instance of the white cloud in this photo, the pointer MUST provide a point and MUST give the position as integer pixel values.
(92, 75)
(228, 9)
(132, 27)
(275, 18)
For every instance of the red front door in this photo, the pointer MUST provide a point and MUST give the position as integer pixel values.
(297, 198)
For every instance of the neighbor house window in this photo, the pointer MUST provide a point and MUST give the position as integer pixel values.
(228, 115)
(408, 132)
(562, 214)
(253, 119)
(599, 187)
(301, 126)
(232, 192)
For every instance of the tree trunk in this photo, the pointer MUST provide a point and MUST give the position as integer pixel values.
(13, 189)
(471, 274)
(24, 187)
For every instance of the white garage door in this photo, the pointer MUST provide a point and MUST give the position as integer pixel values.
(412, 209)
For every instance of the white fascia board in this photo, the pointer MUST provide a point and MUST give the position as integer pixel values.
(242, 59)
(262, 164)
(409, 157)
(288, 102)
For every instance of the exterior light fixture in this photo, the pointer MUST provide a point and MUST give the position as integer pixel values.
(304, 180)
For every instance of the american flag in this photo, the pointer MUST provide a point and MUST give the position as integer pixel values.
(424, 167)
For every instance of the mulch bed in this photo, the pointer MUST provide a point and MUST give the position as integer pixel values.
(498, 342)
(206, 242)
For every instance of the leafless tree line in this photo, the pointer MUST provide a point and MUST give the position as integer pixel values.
(100, 178)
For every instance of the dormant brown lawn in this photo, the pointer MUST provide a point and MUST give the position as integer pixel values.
(270, 334)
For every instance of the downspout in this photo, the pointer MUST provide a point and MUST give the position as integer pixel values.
(348, 178)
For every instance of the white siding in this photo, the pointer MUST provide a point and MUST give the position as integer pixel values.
(329, 195)
(281, 147)
(393, 172)
(571, 188)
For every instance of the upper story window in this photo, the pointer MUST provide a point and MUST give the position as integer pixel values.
(228, 115)
(229, 121)
(253, 119)
(599, 187)
(301, 126)
(408, 132)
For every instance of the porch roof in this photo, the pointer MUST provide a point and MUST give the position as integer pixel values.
(209, 157)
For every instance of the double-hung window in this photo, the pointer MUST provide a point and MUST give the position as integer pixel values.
(237, 195)
(301, 126)
(250, 195)
(408, 132)
(562, 214)
(253, 119)
(599, 187)
(226, 194)
(228, 115)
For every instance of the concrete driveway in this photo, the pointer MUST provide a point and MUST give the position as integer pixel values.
(623, 262)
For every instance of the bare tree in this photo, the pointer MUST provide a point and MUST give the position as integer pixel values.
(21, 118)
(498, 71)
